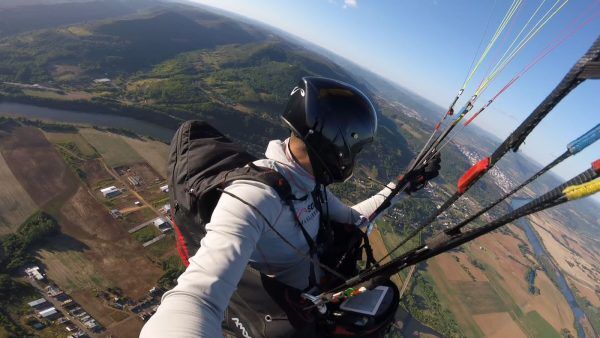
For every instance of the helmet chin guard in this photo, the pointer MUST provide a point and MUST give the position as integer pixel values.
(335, 120)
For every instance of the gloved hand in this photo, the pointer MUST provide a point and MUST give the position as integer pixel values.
(419, 177)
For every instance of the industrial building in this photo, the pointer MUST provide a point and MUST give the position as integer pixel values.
(161, 224)
(34, 272)
(111, 191)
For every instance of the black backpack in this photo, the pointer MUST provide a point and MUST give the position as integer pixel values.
(202, 161)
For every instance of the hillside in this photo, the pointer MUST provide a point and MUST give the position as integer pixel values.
(22, 16)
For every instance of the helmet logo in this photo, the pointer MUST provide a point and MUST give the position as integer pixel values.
(297, 89)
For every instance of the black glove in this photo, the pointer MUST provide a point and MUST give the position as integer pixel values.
(420, 175)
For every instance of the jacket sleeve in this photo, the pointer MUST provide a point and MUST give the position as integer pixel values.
(195, 307)
(343, 213)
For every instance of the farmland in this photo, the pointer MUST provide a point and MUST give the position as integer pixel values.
(15, 203)
(474, 294)
(93, 251)
(113, 148)
(154, 153)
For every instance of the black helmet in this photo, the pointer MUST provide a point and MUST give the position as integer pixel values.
(335, 120)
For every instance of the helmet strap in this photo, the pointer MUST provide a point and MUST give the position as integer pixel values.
(321, 172)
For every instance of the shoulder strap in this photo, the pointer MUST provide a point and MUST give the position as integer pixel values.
(263, 175)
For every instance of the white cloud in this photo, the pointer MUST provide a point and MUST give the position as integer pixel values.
(350, 3)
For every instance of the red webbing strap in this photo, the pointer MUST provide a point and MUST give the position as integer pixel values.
(180, 243)
(596, 166)
(478, 169)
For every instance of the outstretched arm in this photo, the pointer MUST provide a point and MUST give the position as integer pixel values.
(419, 177)
(343, 213)
(195, 307)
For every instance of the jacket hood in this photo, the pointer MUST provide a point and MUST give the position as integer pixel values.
(302, 181)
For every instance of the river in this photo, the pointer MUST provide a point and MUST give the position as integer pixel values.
(540, 251)
(102, 120)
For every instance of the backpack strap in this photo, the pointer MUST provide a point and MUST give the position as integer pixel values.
(276, 181)
(264, 175)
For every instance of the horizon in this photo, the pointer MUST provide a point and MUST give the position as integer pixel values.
(575, 111)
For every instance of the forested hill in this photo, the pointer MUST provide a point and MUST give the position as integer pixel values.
(23, 15)
(172, 62)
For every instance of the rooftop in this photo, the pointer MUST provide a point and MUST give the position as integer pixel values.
(37, 302)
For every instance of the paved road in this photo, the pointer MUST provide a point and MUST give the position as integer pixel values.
(407, 280)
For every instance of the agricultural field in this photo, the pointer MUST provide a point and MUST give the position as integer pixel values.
(154, 153)
(93, 251)
(114, 150)
(38, 167)
(72, 138)
(568, 251)
(15, 203)
(486, 280)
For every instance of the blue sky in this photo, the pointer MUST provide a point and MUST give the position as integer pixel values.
(428, 45)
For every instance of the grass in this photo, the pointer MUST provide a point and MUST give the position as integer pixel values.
(159, 202)
(480, 297)
(391, 238)
(160, 248)
(113, 149)
(592, 312)
(539, 327)
(52, 331)
(15, 203)
(118, 316)
(423, 302)
(103, 184)
(450, 299)
(46, 94)
(83, 147)
(72, 269)
(154, 152)
(146, 234)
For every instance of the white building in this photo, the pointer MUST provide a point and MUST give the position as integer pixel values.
(37, 303)
(111, 191)
(165, 188)
(166, 209)
(49, 312)
(161, 224)
(103, 80)
(34, 272)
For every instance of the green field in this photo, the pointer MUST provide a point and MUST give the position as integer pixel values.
(538, 327)
(480, 297)
(115, 151)
(146, 234)
(15, 203)
(160, 248)
(72, 138)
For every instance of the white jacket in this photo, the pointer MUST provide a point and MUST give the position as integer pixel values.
(237, 235)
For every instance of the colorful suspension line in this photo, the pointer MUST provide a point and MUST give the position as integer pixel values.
(505, 60)
(573, 148)
(580, 186)
(507, 18)
(547, 50)
(576, 25)
(572, 79)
